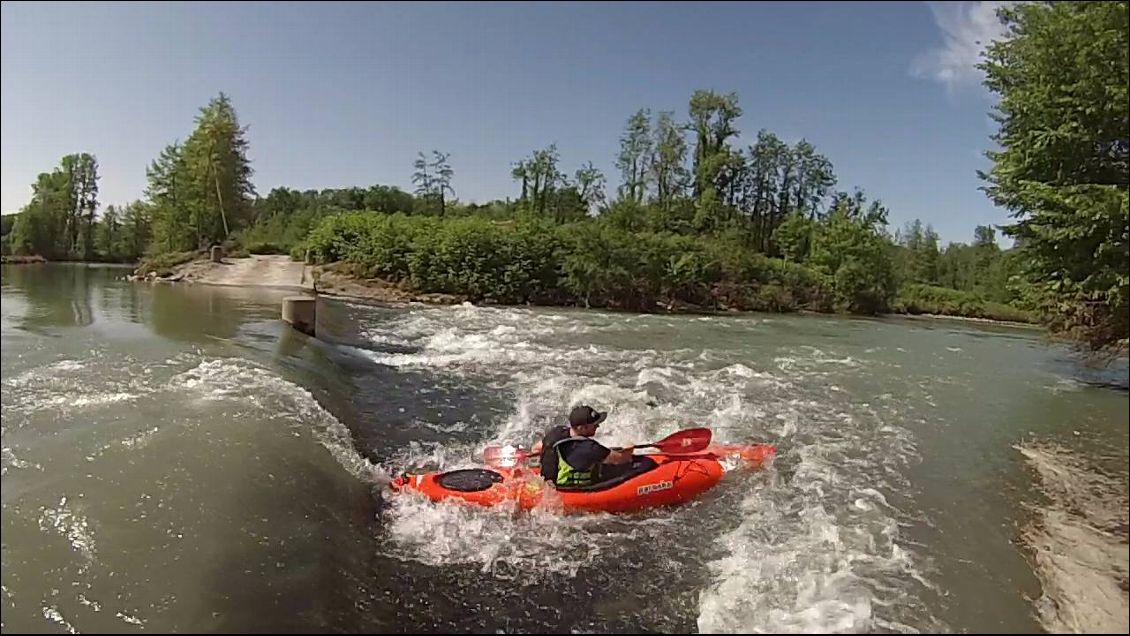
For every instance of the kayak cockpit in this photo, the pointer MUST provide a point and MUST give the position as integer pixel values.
(640, 464)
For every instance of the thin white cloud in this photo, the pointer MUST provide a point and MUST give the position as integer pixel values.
(967, 28)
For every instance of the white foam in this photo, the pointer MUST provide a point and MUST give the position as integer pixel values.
(817, 556)
(469, 338)
(48, 373)
(522, 548)
(11, 461)
(129, 619)
(740, 370)
(51, 613)
(140, 440)
(379, 337)
(1066, 385)
(802, 580)
(101, 399)
(65, 365)
(64, 521)
(69, 386)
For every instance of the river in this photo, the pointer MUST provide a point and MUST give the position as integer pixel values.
(176, 459)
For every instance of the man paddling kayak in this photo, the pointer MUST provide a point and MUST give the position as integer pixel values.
(570, 458)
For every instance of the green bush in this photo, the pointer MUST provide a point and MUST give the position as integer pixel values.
(602, 263)
(593, 263)
(163, 264)
(264, 247)
(928, 299)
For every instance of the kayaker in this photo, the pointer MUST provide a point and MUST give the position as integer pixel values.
(571, 458)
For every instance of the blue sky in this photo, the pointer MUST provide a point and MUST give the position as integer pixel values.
(346, 94)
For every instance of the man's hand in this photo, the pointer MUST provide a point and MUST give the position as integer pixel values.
(621, 456)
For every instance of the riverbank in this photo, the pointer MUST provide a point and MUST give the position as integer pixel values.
(36, 259)
(988, 321)
(336, 279)
(331, 281)
(340, 280)
(21, 260)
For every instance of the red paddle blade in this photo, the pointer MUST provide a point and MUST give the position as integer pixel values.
(690, 440)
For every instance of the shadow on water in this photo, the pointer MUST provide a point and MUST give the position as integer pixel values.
(1097, 371)
(58, 295)
(380, 405)
(974, 329)
(299, 561)
(195, 313)
(644, 578)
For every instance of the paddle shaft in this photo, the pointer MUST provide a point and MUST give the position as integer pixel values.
(682, 442)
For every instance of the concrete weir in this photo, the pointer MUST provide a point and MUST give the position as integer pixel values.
(301, 312)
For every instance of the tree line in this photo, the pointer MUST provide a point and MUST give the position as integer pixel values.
(1062, 166)
(694, 214)
(693, 222)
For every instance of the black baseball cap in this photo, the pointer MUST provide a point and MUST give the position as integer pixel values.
(584, 414)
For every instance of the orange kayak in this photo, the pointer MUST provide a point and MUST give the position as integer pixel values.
(655, 480)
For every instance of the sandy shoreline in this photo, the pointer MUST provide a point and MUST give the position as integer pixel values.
(254, 271)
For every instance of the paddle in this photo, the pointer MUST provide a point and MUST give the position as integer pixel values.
(691, 440)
